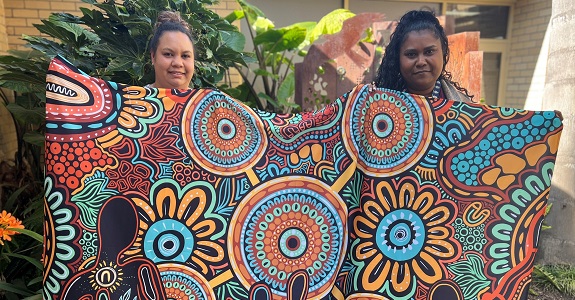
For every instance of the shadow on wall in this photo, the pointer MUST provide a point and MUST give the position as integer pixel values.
(557, 244)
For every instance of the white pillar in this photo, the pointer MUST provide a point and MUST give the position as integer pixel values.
(557, 245)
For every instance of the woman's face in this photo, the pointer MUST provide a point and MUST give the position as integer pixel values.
(173, 61)
(420, 61)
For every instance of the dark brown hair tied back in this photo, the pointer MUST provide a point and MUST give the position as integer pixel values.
(169, 21)
(170, 16)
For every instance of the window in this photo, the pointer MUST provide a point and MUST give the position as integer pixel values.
(490, 80)
(491, 21)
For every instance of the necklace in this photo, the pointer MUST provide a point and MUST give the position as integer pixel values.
(436, 92)
(436, 89)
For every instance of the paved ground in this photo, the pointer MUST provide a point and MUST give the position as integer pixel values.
(547, 294)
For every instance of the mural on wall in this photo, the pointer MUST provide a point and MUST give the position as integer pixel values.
(168, 194)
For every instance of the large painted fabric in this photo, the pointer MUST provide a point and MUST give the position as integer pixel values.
(189, 194)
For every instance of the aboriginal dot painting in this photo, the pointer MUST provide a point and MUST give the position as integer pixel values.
(189, 194)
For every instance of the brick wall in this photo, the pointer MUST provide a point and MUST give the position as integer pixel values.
(3, 36)
(8, 142)
(527, 55)
(21, 15)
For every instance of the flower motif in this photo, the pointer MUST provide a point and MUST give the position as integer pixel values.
(7, 222)
(403, 234)
(179, 224)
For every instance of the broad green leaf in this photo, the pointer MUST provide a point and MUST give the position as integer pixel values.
(281, 39)
(251, 12)
(36, 280)
(114, 51)
(67, 32)
(309, 26)
(27, 116)
(306, 25)
(29, 233)
(22, 83)
(268, 99)
(38, 296)
(120, 64)
(330, 23)
(235, 15)
(44, 45)
(229, 58)
(271, 36)
(29, 259)
(234, 40)
(34, 138)
(8, 287)
(287, 88)
(249, 58)
(291, 39)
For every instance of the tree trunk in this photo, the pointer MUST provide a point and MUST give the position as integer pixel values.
(557, 245)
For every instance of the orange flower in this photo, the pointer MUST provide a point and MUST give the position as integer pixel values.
(7, 222)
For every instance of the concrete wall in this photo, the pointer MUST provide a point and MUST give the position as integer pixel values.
(527, 53)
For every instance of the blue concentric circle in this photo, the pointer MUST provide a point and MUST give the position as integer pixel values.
(168, 240)
(400, 235)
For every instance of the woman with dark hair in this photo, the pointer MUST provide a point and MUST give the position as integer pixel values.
(415, 59)
(172, 52)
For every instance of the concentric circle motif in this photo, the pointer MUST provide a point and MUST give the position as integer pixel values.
(168, 240)
(387, 131)
(288, 224)
(400, 235)
(182, 282)
(293, 242)
(222, 135)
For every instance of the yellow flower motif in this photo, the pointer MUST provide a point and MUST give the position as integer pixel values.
(7, 222)
(403, 234)
(178, 224)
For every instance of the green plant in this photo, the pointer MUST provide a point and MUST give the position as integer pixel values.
(559, 277)
(21, 190)
(111, 41)
(274, 53)
(20, 252)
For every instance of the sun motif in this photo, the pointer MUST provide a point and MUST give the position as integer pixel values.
(106, 276)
